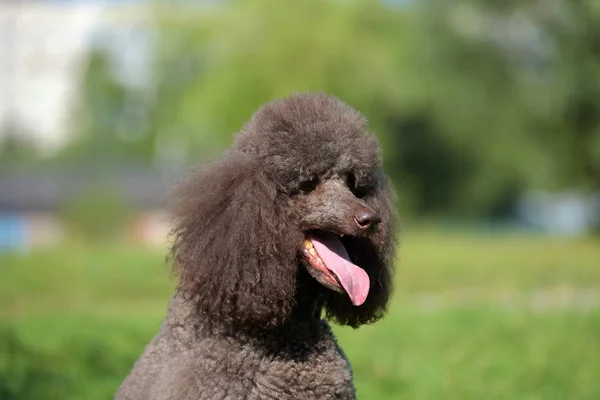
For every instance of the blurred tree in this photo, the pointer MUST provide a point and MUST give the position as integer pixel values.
(578, 59)
(110, 117)
(16, 147)
(579, 66)
(514, 88)
(214, 72)
(474, 102)
(446, 107)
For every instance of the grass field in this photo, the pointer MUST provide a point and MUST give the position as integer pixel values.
(474, 317)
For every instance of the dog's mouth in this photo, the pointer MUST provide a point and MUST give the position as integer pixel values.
(331, 265)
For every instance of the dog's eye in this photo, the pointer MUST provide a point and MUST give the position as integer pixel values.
(351, 181)
(358, 190)
(309, 185)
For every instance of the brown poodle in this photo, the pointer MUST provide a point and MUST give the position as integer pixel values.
(296, 219)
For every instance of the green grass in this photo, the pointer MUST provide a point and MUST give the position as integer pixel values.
(73, 320)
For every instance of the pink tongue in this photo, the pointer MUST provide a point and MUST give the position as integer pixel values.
(353, 278)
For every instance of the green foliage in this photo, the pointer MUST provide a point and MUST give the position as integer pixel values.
(70, 357)
(110, 120)
(215, 71)
(16, 148)
(74, 320)
(474, 102)
(468, 117)
(451, 354)
(476, 353)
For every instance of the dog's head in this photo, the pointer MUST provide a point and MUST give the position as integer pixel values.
(302, 190)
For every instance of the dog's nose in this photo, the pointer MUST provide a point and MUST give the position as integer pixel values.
(367, 218)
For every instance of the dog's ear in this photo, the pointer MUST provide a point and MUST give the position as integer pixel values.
(376, 255)
(233, 247)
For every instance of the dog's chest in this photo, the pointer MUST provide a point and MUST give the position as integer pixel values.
(295, 371)
(320, 376)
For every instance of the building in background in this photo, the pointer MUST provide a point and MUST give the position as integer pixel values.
(43, 50)
(32, 203)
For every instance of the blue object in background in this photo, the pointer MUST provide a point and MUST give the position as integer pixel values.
(13, 232)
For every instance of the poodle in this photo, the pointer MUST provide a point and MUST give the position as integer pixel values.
(294, 223)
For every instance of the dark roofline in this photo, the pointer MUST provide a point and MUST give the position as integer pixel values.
(49, 188)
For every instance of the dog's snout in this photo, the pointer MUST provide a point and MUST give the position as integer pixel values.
(366, 218)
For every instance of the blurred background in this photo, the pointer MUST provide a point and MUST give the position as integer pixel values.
(489, 118)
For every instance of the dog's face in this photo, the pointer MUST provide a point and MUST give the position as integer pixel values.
(321, 156)
(336, 222)
(302, 189)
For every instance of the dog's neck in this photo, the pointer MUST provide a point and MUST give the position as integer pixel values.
(309, 297)
(183, 315)
(188, 326)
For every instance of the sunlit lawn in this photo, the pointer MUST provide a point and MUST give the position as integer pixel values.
(467, 322)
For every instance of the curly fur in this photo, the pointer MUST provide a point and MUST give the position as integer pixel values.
(245, 321)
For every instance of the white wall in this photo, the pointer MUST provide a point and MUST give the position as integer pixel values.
(43, 49)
